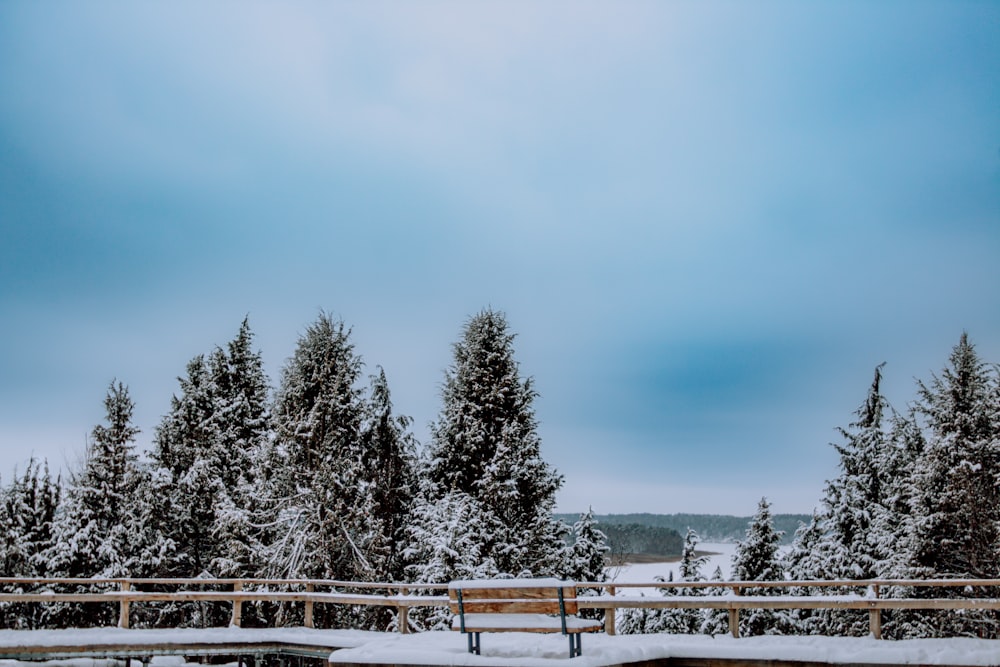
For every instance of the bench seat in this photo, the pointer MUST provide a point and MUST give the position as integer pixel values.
(524, 623)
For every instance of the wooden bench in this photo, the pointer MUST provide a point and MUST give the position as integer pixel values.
(517, 605)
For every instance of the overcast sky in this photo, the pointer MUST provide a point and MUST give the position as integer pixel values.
(707, 222)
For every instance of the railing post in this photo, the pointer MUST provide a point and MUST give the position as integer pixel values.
(308, 620)
(875, 623)
(734, 615)
(123, 606)
(237, 606)
(875, 617)
(403, 613)
(609, 615)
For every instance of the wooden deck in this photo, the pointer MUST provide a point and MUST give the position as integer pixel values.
(143, 644)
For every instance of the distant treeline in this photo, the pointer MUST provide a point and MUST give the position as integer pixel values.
(710, 527)
(634, 538)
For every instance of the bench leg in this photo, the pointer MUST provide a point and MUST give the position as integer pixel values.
(575, 647)
(474, 642)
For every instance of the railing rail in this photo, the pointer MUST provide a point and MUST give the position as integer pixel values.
(401, 595)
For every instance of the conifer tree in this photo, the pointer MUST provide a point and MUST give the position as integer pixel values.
(848, 544)
(807, 560)
(244, 438)
(485, 444)
(588, 552)
(322, 500)
(956, 527)
(756, 559)
(206, 458)
(188, 474)
(27, 510)
(96, 532)
(715, 621)
(586, 558)
(446, 542)
(389, 455)
(686, 621)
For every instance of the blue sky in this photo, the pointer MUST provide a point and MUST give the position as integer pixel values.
(707, 221)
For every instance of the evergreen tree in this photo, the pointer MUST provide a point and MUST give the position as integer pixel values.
(322, 500)
(687, 621)
(27, 510)
(588, 552)
(956, 527)
(485, 444)
(244, 439)
(96, 531)
(317, 417)
(586, 558)
(189, 475)
(715, 621)
(446, 539)
(756, 559)
(848, 544)
(389, 455)
(807, 560)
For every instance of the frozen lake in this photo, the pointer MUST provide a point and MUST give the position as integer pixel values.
(722, 557)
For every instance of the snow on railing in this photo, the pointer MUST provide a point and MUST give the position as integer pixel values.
(401, 595)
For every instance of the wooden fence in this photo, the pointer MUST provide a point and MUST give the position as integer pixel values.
(402, 597)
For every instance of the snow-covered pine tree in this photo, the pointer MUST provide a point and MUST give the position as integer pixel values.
(806, 560)
(853, 508)
(587, 558)
(96, 532)
(27, 510)
(321, 498)
(587, 555)
(485, 444)
(242, 412)
(389, 454)
(686, 621)
(715, 621)
(187, 474)
(206, 456)
(756, 559)
(956, 528)
(446, 538)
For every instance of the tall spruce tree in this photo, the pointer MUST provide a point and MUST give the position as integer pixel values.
(187, 475)
(485, 444)
(96, 531)
(847, 542)
(206, 460)
(244, 439)
(388, 453)
(322, 498)
(956, 527)
(207, 453)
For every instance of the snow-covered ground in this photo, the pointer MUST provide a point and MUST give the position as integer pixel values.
(531, 650)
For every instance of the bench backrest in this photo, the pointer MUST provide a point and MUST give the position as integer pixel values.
(514, 600)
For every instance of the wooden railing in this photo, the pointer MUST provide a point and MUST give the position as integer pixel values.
(401, 596)
(737, 600)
